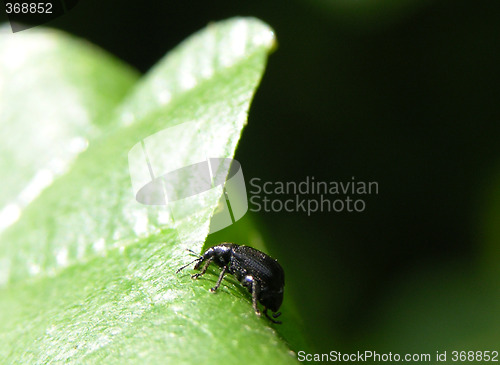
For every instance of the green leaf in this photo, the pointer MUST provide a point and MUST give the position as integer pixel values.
(88, 273)
(56, 92)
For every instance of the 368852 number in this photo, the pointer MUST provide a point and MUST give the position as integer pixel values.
(471, 356)
(28, 8)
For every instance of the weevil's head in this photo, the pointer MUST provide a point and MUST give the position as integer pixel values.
(220, 255)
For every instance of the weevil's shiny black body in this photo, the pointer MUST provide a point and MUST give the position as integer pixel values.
(260, 274)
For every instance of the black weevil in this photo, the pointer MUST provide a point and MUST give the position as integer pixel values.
(262, 275)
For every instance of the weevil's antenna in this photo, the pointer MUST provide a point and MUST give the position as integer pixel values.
(182, 268)
(197, 259)
(194, 253)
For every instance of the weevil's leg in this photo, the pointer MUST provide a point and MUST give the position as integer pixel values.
(221, 276)
(255, 295)
(274, 315)
(203, 271)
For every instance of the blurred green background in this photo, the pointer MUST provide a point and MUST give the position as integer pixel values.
(404, 93)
